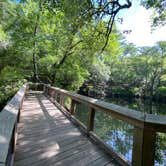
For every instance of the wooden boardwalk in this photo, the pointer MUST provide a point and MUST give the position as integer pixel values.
(47, 138)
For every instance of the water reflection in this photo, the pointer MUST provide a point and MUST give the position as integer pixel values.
(116, 133)
(149, 107)
(160, 149)
(117, 140)
(82, 112)
(119, 135)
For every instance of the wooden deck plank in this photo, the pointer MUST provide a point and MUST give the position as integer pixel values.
(103, 160)
(50, 154)
(46, 128)
(46, 137)
(81, 158)
(62, 155)
(37, 149)
(44, 133)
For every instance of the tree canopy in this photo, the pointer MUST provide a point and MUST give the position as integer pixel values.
(76, 45)
(71, 44)
(159, 11)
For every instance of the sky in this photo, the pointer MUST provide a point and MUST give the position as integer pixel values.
(137, 19)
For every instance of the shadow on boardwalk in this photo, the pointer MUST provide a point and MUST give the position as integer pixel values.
(46, 138)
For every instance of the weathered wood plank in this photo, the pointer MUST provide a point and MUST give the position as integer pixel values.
(42, 139)
(8, 120)
(50, 155)
(144, 138)
(36, 130)
(136, 118)
(143, 147)
(38, 149)
(83, 156)
(90, 125)
(52, 142)
(44, 133)
(129, 115)
(101, 161)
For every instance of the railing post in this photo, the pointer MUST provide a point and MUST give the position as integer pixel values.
(72, 107)
(90, 125)
(44, 88)
(61, 100)
(52, 94)
(56, 96)
(49, 91)
(18, 117)
(14, 139)
(143, 147)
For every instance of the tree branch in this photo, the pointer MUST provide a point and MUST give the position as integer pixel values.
(109, 9)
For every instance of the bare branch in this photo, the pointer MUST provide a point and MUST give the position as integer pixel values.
(110, 10)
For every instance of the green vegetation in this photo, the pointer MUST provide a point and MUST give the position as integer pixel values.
(73, 45)
(133, 72)
(55, 42)
(76, 46)
(159, 11)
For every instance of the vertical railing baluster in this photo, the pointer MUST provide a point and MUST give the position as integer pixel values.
(49, 91)
(14, 138)
(90, 125)
(46, 90)
(61, 100)
(143, 147)
(56, 96)
(18, 117)
(72, 107)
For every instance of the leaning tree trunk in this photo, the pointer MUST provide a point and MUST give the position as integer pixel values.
(35, 66)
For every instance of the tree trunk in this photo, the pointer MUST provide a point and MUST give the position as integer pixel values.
(35, 66)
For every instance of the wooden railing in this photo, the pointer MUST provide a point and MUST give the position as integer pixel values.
(145, 125)
(9, 118)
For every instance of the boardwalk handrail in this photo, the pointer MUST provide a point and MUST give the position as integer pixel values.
(145, 125)
(9, 117)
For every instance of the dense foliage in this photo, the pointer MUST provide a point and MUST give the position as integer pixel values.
(77, 46)
(71, 45)
(159, 11)
(54, 42)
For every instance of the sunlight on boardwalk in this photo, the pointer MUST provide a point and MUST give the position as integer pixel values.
(46, 137)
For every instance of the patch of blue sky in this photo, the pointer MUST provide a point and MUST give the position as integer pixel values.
(138, 20)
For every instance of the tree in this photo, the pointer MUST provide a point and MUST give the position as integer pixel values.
(159, 11)
(140, 71)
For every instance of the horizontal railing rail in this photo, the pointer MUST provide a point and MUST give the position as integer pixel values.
(145, 125)
(9, 117)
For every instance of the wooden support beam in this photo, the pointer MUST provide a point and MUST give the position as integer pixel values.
(18, 117)
(8, 125)
(90, 125)
(62, 100)
(56, 96)
(143, 147)
(72, 108)
(14, 139)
